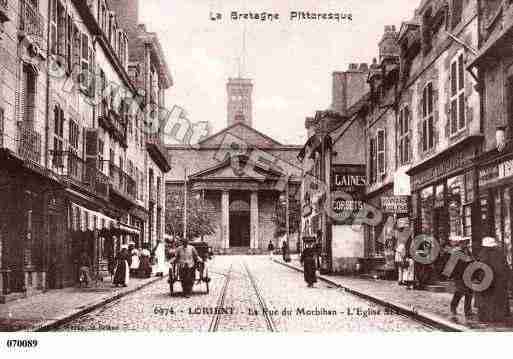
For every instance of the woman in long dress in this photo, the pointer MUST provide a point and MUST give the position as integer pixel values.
(160, 255)
(122, 272)
(309, 261)
(145, 264)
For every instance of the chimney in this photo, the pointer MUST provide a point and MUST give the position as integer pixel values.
(349, 86)
(127, 12)
(310, 126)
(388, 46)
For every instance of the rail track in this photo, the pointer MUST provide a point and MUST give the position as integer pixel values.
(265, 310)
(214, 324)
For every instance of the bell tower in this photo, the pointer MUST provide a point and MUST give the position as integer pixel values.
(239, 92)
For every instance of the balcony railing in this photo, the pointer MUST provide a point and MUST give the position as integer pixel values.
(31, 22)
(114, 124)
(122, 182)
(74, 169)
(158, 151)
(29, 143)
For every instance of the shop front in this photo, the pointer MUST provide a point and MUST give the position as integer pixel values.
(444, 202)
(495, 199)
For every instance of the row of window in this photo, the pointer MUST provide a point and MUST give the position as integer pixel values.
(457, 123)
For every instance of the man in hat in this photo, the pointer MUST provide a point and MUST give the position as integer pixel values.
(460, 250)
(186, 258)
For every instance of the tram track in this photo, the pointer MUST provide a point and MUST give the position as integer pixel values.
(214, 324)
(265, 310)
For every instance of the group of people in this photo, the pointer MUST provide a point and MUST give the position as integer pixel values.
(492, 303)
(138, 263)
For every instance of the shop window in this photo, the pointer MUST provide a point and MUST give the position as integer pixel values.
(426, 210)
(58, 137)
(427, 134)
(457, 95)
(455, 198)
(404, 135)
(372, 160)
(381, 154)
(506, 209)
(456, 12)
(497, 220)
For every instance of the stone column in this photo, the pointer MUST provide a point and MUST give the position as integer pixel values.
(225, 219)
(254, 220)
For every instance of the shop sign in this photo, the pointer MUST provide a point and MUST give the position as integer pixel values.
(459, 160)
(395, 204)
(348, 179)
(495, 172)
(351, 181)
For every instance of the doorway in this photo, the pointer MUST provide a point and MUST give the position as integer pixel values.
(239, 219)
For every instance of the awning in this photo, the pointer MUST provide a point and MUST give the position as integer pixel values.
(129, 229)
(84, 219)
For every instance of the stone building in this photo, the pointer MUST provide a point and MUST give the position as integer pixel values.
(495, 164)
(74, 151)
(333, 161)
(242, 173)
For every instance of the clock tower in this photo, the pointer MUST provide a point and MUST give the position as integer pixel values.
(239, 104)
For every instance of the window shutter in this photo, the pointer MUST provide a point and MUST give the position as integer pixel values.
(91, 151)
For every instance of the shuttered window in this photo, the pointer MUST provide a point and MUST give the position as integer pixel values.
(427, 134)
(457, 117)
(381, 153)
(58, 137)
(404, 135)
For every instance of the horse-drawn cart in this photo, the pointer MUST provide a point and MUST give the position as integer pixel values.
(200, 268)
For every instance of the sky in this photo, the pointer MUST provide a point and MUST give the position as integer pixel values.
(290, 62)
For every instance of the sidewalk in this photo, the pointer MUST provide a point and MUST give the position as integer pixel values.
(429, 307)
(50, 309)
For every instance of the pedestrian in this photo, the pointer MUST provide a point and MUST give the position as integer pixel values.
(309, 264)
(493, 303)
(160, 257)
(285, 251)
(460, 250)
(84, 269)
(122, 271)
(134, 266)
(186, 259)
(145, 263)
(270, 248)
(401, 262)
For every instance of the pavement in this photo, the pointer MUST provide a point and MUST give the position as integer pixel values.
(48, 310)
(429, 307)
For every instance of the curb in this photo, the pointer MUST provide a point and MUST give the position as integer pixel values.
(418, 315)
(66, 318)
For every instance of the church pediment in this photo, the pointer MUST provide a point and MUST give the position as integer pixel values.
(242, 132)
(236, 169)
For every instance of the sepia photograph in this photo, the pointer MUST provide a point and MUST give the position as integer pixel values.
(298, 167)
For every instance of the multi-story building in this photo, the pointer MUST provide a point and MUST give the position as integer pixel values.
(74, 143)
(333, 184)
(151, 77)
(444, 115)
(493, 64)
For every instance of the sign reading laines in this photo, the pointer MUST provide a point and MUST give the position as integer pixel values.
(351, 181)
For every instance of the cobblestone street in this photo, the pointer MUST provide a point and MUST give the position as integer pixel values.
(254, 283)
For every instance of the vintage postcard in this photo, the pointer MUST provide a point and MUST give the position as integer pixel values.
(236, 166)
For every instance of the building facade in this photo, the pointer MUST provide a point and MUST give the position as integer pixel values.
(242, 174)
(493, 64)
(76, 156)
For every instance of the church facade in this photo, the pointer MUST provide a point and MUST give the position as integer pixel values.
(243, 175)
